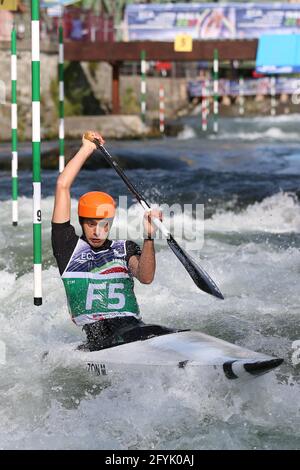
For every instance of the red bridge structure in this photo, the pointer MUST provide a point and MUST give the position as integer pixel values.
(116, 53)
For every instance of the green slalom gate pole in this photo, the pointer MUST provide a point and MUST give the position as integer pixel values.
(61, 111)
(14, 128)
(36, 151)
(216, 90)
(143, 85)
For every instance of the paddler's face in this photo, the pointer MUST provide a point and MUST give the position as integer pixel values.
(96, 230)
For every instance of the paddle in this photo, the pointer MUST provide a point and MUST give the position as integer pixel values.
(199, 276)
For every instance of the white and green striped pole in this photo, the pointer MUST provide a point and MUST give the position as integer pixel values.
(14, 128)
(216, 90)
(143, 85)
(61, 112)
(36, 150)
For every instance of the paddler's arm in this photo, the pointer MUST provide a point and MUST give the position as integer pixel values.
(143, 266)
(62, 203)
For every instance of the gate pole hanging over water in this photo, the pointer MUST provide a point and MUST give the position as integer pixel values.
(273, 95)
(36, 151)
(61, 111)
(204, 105)
(216, 90)
(14, 128)
(241, 96)
(161, 108)
(143, 85)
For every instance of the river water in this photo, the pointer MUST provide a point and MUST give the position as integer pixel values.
(248, 179)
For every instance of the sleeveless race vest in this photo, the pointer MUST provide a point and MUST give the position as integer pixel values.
(98, 284)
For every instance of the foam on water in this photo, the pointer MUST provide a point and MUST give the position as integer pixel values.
(187, 133)
(279, 213)
(271, 134)
(263, 120)
(45, 405)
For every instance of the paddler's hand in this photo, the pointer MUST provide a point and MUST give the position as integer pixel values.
(149, 227)
(87, 140)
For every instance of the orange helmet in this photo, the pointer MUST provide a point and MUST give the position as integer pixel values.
(96, 205)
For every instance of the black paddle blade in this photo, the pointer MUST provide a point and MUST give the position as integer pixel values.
(199, 276)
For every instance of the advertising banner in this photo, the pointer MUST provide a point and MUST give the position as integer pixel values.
(251, 87)
(163, 22)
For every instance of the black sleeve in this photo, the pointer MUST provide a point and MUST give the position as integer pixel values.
(132, 249)
(64, 240)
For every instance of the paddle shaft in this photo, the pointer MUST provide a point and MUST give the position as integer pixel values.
(199, 276)
(130, 186)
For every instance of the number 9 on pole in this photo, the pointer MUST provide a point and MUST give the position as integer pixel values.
(37, 212)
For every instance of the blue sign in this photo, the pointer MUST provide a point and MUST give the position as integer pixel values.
(278, 54)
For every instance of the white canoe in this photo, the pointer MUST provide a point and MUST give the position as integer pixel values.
(178, 350)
